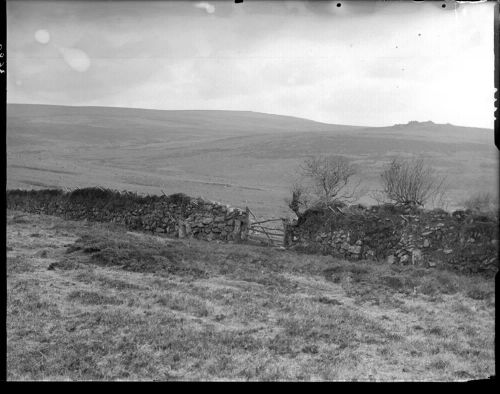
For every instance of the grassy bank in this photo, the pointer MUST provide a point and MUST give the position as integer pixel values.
(94, 302)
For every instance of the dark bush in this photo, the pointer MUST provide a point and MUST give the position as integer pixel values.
(92, 193)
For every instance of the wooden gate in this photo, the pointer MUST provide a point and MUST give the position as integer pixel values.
(268, 231)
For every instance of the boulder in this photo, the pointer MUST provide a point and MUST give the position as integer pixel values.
(416, 257)
(354, 249)
(182, 230)
(404, 259)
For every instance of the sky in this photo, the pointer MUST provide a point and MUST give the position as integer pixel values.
(363, 63)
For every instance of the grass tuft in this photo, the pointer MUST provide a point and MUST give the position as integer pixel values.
(92, 298)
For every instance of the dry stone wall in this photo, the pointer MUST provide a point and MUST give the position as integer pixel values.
(176, 215)
(460, 240)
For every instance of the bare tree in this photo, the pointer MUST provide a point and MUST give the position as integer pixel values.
(326, 181)
(412, 182)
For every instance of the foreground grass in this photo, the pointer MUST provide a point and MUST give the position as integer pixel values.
(95, 302)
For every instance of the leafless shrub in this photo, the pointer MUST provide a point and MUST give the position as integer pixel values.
(378, 195)
(326, 181)
(300, 199)
(412, 182)
(482, 203)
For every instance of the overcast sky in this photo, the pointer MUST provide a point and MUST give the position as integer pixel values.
(370, 63)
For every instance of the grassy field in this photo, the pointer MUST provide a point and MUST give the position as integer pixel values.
(92, 301)
(238, 158)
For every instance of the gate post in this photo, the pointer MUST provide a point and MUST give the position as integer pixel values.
(245, 225)
(287, 232)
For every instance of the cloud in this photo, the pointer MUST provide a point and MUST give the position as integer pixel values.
(209, 8)
(370, 64)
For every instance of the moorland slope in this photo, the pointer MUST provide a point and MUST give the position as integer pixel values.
(236, 157)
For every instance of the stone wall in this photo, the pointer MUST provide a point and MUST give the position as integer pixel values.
(176, 215)
(460, 240)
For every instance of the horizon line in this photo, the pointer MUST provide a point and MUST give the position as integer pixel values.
(256, 112)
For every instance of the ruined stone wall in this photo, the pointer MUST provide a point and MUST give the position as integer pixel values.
(461, 240)
(176, 215)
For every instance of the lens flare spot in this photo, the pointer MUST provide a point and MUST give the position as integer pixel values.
(209, 8)
(77, 59)
(42, 36)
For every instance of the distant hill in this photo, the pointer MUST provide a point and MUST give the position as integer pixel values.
(127, 121)
(238, 157)
(153, 122)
